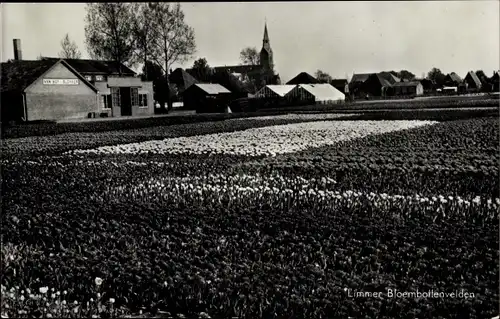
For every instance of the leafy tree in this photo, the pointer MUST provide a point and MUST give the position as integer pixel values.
(69, 49)
(202, 69)
(250, 56)
(436, 75)
(153, 72)
(405, 75)
(323, 77)
(173, 39)
(109, 31)
(201, 63)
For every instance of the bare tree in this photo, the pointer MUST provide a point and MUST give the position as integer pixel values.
(69, 49)
(142, 32)
(173, 38)
(109, 31)
(250, 56)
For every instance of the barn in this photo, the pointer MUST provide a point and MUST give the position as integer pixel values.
(45, 90)
(207, 98)
(413, 88)
(316, 93)
(274, 91)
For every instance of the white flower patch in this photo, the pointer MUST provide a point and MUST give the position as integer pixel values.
(267, 141)
(292, 116)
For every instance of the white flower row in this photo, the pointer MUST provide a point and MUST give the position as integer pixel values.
(267, 141)
(276, 190)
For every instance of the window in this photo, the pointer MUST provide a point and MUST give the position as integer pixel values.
(104, 102)
(135, 96)
(143, 100)
(115, 97)
(88, 78)
(99, 78)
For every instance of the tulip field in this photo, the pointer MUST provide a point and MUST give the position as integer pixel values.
(295, 216)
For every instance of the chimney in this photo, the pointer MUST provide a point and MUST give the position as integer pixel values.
(18, 56)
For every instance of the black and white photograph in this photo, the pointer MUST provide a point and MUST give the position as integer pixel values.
(274, 160)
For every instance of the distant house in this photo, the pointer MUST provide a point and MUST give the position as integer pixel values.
(372, 84)
(206, 98)
(274, 91)
(316, 93)
(452, 79)
(412, 88)
(495, 80)
(429, 86)
(303, 78)
(182, 80)
(340, 84)
(473, 81)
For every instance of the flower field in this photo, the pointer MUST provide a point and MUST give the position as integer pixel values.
(272, 217)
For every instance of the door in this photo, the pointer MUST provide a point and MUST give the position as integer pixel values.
(126, 101)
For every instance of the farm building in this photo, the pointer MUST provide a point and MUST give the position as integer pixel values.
(45, 90)
(55, 89)
(340, 84)
(495, 79)
(274, 91)
(316, 93)
(452, 79)
(372, 84)
(207, 98)
(429, 86)
(407, 88)
(303, 78)
(181, 80)
(121, 92)
(472, 81)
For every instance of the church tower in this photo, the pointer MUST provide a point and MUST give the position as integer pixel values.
(266, 54)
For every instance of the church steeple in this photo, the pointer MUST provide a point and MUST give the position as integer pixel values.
(266, 36)
(266, 54)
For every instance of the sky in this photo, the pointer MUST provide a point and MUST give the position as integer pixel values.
(340, 38)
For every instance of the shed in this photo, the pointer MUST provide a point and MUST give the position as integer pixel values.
(274, 91)
(206, 98)
(45, 90)
(316, 93)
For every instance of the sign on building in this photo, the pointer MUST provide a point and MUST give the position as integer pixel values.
(60, 81)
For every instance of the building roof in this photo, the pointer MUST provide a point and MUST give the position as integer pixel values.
(243, 69)
(303, 78)
(409, 83)
(388, 76)
(281, 90)
(474, 78)
(97, 66)
(212, 88)
(361, 77)
(323, 91)
(455, 77)
(18, 75)
(182, 78)
(338, 82)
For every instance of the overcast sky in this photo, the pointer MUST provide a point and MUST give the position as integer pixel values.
(337, 37)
